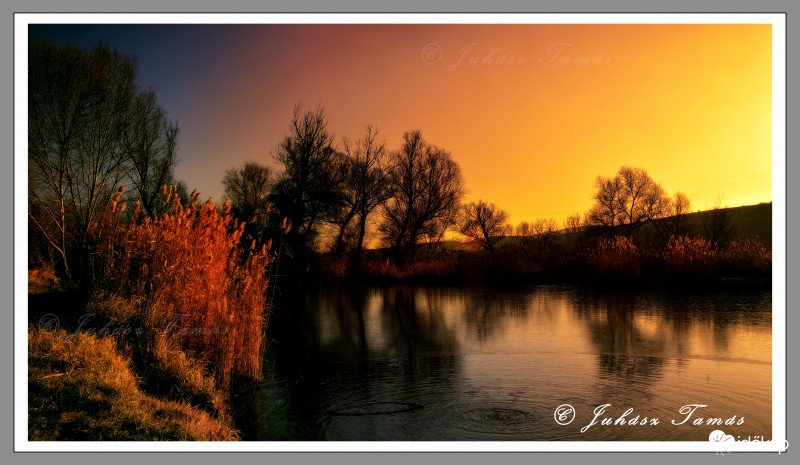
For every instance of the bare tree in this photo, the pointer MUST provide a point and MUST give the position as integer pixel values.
(717, 223)
(574, 227)
(443, 188)
(607, 211)
(573, 224)
(365, 186)
(544, 230)
(152, 139)
(680, 207)
(88, 123)
(627, 200)
(248, 189)
(309, 191)
(57, 103)
(525, 233)
(427, 190)
(484, 224)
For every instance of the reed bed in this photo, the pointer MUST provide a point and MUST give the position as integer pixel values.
(203, 291)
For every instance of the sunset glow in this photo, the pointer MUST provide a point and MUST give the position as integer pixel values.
(532, 113)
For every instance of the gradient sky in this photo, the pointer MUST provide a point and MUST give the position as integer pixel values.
(691, 104)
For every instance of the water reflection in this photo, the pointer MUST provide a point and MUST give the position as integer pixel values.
(421, 363)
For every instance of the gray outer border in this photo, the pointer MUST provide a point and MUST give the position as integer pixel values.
(563, 6)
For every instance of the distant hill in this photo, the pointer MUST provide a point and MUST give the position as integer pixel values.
(748, 221)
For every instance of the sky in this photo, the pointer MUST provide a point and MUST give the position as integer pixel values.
(532, 113)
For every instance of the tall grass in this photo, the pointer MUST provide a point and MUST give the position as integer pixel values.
(81, 387)
(747, 256)
(616, 256)
(690, 257)
(201, 289)
(429, 269)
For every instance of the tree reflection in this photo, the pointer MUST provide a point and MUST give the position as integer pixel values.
(336, 348)
(486, 311)
(635, 334)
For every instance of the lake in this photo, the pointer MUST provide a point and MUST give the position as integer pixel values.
(493, 363)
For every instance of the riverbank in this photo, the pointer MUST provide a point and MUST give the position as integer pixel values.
(88, 380)
(617, 267)
(83, 387)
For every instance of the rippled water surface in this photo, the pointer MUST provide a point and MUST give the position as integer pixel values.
(480, 363)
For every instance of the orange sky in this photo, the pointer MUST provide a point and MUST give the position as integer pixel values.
(691, 104)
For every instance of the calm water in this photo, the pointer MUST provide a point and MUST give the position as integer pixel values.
(481, 363)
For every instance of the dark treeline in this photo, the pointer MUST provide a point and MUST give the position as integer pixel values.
(342, 208)
(329, 201)
(347, 194)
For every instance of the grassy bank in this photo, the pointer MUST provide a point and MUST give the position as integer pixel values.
(146, 344)
(82, 387)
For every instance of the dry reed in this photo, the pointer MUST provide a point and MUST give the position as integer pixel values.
(206, 291)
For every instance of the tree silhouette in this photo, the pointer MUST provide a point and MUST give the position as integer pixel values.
(680, 207)
(544, 230)
(427, 190)
(717, 223)
(607, 210)
(627, 201)
(248, 189)
(365, 187)
(574, 226)
(90, 131)
(485, 224)
(526, 239)
(309, 191)
(153, 140)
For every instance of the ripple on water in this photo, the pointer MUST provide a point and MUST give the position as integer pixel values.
(492, 422)
(375, 408)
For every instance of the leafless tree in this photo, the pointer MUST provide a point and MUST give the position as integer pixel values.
(608, 208)
(575, 228)
(680, 207)
(309, 191)
(427, 191)
(544, 230)
(484, 224)
(627, 200)
(365, 186)
(152, 139)
(248, 189)
(717, 223)
(573, 224)
(525, 233)
(89, 126)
